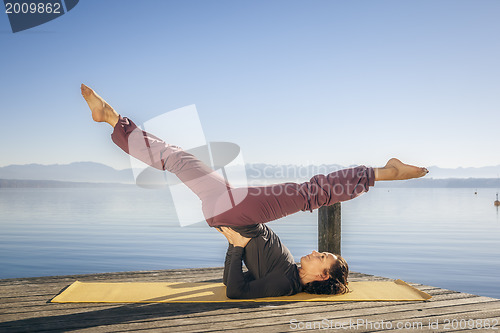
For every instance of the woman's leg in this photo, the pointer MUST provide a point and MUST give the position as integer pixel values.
(268, 203)
(200, 178)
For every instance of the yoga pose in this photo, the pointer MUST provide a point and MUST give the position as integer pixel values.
(240, 213)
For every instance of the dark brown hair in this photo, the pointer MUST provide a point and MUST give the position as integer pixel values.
(335, 284)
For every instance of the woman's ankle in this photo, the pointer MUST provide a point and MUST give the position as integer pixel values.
(113, 119)
(385, 173)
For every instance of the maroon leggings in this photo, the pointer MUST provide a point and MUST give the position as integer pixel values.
(223, 204)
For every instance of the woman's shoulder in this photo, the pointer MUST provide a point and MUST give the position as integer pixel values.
(278, 284)
(295, 279)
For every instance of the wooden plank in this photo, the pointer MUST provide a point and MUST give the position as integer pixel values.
(189, 321)
(61, 309)
(443, 323)
(269, 326)
(24, 305)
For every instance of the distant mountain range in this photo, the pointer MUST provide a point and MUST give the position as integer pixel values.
(74, 172)
(100, 175)
(24, 183)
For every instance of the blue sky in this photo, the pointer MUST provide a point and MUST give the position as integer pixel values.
(304, 82)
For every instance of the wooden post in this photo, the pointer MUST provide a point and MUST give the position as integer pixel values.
(329, 221)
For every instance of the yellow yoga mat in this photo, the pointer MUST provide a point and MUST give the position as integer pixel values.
(162, 292)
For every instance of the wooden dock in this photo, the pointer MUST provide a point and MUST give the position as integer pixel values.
(24, 308)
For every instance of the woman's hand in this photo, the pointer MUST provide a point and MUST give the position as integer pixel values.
(233, 237)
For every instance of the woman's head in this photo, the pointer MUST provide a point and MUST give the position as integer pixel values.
(324, 273)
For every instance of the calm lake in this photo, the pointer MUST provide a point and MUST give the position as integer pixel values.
(448, 238)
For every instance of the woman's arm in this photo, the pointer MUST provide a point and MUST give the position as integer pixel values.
(227, 263)
(232, 237)
(240, 288)
(247, 276)
(238, 285)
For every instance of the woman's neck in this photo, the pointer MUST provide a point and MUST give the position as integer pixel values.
(304, 277)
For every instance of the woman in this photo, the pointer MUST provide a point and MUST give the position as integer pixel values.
(240, 213)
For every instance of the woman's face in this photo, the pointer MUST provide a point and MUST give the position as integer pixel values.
(317, 263)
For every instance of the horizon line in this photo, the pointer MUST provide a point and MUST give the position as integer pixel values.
(287, 164)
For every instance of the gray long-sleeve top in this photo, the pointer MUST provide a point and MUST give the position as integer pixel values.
(271, 268)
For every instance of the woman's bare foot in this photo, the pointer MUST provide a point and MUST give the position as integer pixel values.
(397, 170)
(101, 111)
